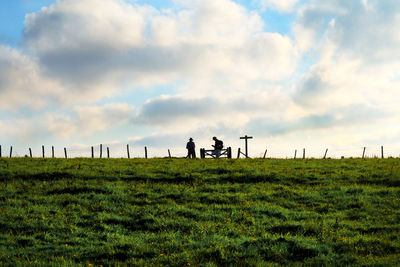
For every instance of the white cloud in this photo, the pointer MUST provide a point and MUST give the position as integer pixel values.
(357, 30)
(22, 131)
(357, 55)
(188, 114)
(78, 52)
(21, 83)
(80, 24)
(87, 120)
(82, 122)
(94, 52)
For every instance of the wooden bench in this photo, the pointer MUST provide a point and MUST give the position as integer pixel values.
(225, 153)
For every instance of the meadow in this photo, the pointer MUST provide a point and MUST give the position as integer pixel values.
(203, 212)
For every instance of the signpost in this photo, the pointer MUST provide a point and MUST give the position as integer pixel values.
(245, 144)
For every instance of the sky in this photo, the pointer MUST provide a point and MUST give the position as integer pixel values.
(293, 74)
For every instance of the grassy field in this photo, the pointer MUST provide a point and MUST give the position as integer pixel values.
(199, 212)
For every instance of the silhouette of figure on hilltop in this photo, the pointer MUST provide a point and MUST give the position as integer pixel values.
(190, 146)
(217, 147)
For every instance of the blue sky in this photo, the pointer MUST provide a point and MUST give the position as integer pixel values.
(294, 74)
(12, 17)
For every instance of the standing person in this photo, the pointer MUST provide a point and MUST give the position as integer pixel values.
(190, 146)
(217, 147)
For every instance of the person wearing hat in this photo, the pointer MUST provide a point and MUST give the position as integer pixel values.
(190, 146)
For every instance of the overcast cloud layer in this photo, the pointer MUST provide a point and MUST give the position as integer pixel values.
(332, 81)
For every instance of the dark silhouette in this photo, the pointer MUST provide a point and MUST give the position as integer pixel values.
(190, 146)
(217, 147)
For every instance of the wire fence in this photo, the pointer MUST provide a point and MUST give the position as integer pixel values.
(127, 151)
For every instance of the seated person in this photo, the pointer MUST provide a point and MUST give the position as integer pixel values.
(217, 147)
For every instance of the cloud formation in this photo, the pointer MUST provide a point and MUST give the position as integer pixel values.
(357, 54)
(97, 47)
(21, 83)
(338, 65)
(86, 120)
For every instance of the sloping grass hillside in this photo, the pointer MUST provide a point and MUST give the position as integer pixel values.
(199, 212)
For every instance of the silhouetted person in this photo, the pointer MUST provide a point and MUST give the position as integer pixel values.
(190, 146)
(217, 147)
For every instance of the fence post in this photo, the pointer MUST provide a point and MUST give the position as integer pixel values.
(52, 151)
(169, 153)
(382, 152)
(0, 151)
(10, 151)
(145, 152)
(101, 150)
(304, 153)
(238, 155)
(202, 153)
(229, 153)
(127, 150)
(43, 151)
(363, 152)
(265, 153)
(108, 152)
(65, 152)
(30, 152)
(295, 153)
(92, 152)
(326, 151)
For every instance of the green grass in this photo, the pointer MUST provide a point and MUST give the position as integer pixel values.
(199, 212)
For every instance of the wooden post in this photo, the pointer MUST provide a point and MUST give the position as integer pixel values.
(382, 152)
(127, 150)
(169, 153)
(304, 153)
(10, 151)
(0, 151)
(265, 153)
(238, 153)
(145, 152)
(245, 144)
(52, 151)
(65, 152)
(246, 149)
(229, 155)
(92, 152)
(101, 150)
(326, 151)
(43, 151)
(108, 152)
(202, 153)
(30, 152)
(363, 152)
(295, 153)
